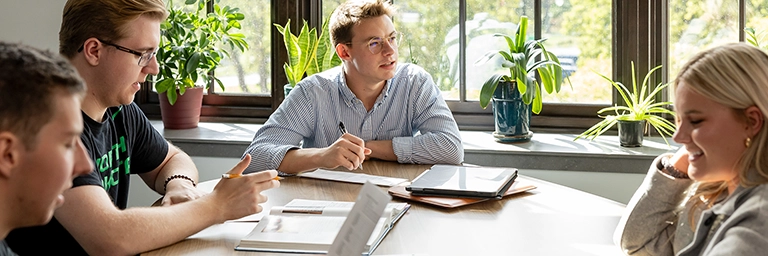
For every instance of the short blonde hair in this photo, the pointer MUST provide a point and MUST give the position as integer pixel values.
(350, 13)
(735, 75)
(103, 19)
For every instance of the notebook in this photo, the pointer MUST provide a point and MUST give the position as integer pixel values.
(463, 181)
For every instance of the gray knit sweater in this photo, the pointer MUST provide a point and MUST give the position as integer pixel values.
(654, 223)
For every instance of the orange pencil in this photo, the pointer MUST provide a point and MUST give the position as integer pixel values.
(234, 176)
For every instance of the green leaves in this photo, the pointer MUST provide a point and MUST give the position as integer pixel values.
(193, 44)
(640, 105)
(524, 59)
(308, 53)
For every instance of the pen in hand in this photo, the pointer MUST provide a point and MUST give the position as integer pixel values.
(343, 130)
(234, 176)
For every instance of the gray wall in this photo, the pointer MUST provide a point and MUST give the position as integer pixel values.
(32, 22)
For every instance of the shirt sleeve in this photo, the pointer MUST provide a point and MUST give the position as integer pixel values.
(648, 227)
(284, 130)
(148, 147)
(439, 141)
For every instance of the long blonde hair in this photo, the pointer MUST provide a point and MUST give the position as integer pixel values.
(735, 75)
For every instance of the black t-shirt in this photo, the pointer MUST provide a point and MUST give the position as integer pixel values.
(125, 143)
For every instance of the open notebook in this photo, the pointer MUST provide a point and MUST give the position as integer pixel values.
(314, 226)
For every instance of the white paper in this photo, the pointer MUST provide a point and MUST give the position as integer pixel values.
(361, 221)
(352, 177)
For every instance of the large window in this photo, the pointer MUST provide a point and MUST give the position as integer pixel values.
(446, 37)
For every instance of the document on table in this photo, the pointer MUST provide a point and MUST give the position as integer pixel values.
(353, 236)
(352, 177)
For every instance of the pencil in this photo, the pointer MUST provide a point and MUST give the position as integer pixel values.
(234, 176)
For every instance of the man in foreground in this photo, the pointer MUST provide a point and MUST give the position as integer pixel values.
(112, 43)
(40, 126)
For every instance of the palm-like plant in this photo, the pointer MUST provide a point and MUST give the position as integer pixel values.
(523, 65)
(308, 53)
(753, 38)
(640, 105)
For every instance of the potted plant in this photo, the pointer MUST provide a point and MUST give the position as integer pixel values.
(641, 109)
(191, 47)
(308, 53)
(517, 94)
(753, 38)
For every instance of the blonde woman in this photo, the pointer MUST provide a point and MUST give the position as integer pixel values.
(709, 198)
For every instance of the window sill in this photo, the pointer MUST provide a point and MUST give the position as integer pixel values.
(547, 151)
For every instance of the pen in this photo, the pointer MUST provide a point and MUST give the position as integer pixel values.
(343, 130)
(234, 176)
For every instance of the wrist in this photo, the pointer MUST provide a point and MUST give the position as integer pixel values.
(178, 178)
(669, 169)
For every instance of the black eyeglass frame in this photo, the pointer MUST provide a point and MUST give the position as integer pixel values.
(143, 56)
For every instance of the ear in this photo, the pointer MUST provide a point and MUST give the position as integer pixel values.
(754, 120)
(343, 51)
(92, 50)
(10, 153)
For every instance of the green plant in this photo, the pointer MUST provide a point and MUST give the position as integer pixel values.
(193, 44)
(308, 53)
(640, 105)
(752, 37)
(521, 60)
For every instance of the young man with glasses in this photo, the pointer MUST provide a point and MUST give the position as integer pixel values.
(112, 44)
(40, 127)
(391, 111)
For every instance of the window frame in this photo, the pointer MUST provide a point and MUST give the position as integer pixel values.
(639, 34)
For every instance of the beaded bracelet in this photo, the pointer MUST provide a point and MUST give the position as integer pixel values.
(178, 176)
(670, 169)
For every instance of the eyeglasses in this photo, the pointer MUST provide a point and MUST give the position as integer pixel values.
(376, 44)
(144, 57)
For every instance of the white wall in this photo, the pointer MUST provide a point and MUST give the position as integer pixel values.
(31, 22)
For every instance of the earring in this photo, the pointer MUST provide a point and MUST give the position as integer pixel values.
(748, 142)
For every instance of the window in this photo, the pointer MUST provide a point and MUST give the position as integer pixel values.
(447, 36)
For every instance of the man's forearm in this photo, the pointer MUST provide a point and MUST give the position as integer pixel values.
(381, 149)
(102, 229)
(299, 160)
(179, 164)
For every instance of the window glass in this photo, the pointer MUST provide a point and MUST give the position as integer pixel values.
(249, 72)
(698, 25)
(582, 43)
(757, 19)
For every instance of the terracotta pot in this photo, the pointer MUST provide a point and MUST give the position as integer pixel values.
(185, 114)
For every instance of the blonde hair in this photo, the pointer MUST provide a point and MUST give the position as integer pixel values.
(735, 75)
(103, 19)
(350, 13)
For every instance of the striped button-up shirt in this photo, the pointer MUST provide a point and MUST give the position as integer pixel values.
(410, 111)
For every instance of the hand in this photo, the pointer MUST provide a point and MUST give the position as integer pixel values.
(680, 160)
(348, 151)
(179, 191)
(238, 197)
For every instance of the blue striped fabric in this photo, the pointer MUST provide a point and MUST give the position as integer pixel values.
(410, 111)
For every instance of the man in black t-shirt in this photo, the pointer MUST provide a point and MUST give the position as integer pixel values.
(40, 126)
(112, 43)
